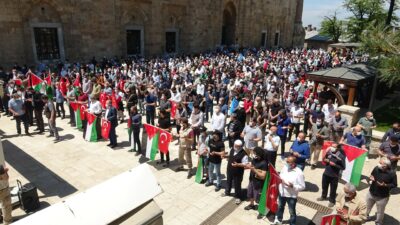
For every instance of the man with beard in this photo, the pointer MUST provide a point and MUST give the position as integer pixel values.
(258, 170)
(391, 150)
(237, 160)
(394, 131)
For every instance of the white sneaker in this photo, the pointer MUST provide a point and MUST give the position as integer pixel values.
(276, 222)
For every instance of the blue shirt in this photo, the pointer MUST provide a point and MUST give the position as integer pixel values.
(282, 123)
(303, 148)
(59, 96)
(357, 140)
(150, 99)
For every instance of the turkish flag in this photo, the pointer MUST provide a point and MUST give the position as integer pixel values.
(90, 118)
(272, 192)
(83, 112)
(173, 109)
(77, 82)
(103, 100)
(105, 128)
(114, 101)
(164, 140)
(129, 122)
(325, 146)
(330, 220)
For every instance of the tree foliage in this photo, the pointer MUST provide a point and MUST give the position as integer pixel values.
(364, 13)
(332, 27)
(383, 45)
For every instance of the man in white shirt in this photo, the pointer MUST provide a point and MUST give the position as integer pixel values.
(292, 183)
(296, 113)
(175, 96)
(271, 145)
(200, 89)
(95, 108)
(218, 120)
(329, 111)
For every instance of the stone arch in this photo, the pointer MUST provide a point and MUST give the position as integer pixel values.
(229, 24)
(129, 18)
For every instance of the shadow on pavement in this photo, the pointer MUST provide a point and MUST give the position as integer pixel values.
(49, 183)
(310, 187)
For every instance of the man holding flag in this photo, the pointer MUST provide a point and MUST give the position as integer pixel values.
(292, 183)
(258, 170)
(350, 206)
(111, 115)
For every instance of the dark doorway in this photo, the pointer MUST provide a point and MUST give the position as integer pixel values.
(47, 43)
(229, 25)
(170, 42)
(133, 42)
(263, 39)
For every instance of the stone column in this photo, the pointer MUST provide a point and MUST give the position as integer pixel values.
(298, 33)
(351, 113)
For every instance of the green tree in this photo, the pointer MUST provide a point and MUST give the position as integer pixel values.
(383, 45)
(332, 27)
(364, 13)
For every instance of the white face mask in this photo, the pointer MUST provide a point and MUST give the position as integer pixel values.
(380, 166)
(358, 133)
(333, 149)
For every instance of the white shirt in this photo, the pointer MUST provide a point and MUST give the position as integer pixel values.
(176, 97)
(296, 113)
(95, 107)
(218, 122)
(329, 112)
(294, 176)
(268, 144)
(200, 89)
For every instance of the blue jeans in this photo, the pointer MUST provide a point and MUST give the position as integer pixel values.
(292, 209)
(217, 167)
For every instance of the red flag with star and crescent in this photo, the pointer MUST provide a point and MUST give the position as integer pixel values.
(173, 109)
(83, 111)
(325, 148)
(269, 194)
(164, 140)
(105, 128)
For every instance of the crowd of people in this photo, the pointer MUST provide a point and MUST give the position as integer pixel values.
(242, 106)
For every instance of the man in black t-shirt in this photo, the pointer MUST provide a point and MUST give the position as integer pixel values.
(258, 169)
(383, 180)
(217, 151)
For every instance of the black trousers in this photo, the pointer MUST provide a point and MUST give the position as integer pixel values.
(60, 109)
(29, 114)
(296, 126)
(98, 126)
(162, 156)
(236, 180)
(150, 117)
(84, 125)
(39, 119)
(71, 116)
(329, 181)
(271, 156)
(5, 100)
(112, 136)
(136, 140)
(23, 119)
(283, 142)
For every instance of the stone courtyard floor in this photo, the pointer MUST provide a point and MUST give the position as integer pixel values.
(73, 165)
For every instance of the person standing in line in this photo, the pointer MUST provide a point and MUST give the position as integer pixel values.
(71, 98)
(319, 134)
(136, 126)
(339, 124)
(383, 180)
(50, 112)
(351, 208)
(16, 108)
(185, 143)
(38, 106)
(335, 160)
(283, 123)
(367, 124)
(111, 115)
(271, 145)
(216, 153)
(164, 122)
(292, 183)
(237, 160)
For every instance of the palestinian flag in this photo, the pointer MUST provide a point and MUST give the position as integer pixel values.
(153, 134)
(355, 158)
(269, 194)
(325, 146)
(91, 132)
(330, 220)
(199, 172)
(77, 111)
(48, 80)
(35, 82)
